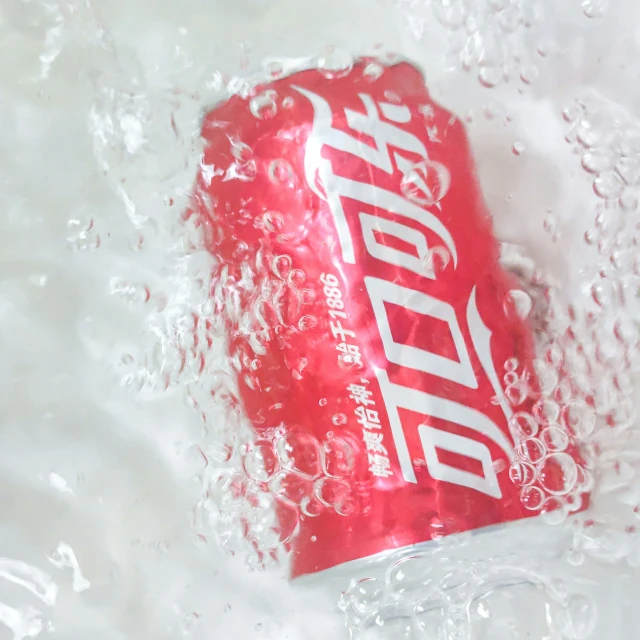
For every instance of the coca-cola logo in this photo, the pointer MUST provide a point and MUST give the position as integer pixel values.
(394, 151)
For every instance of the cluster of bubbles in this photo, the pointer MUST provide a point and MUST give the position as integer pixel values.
(488, 37)
(423, 596)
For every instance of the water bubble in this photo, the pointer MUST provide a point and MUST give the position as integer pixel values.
(426, 182)
(554, 510)
(337, 63)
(366, 594)
(260, 462)
(339, 457)
(511, 377)
(531, 450)
(517, 393)
(290, 486)
(517, 148)
(608, 185)
(629, 170)
(597, 161)
(628, 201)
(532, 498)
(373, 71)
(301, 452)
(311, 507)
(331, 491)
(554, 439)
(436, 260)
(281, 172)
(274, 68)
(523, 426)
(522, 474)
(264, 106)
(339, 419)
(517, 304)
(307, 322)
(558, 474)
(594, 8)
(546, 411)
(490, 76)
(579, 419)
(511, 364)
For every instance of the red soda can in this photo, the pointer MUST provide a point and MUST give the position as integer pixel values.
(364, 308)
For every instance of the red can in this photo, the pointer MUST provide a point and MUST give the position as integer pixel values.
(364, 303)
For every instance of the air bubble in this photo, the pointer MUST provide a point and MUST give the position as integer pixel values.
(426, 183)
(546, 411)
(366, 594)
(608, 185)
(558, 474)
(490, 76)
(531, 450)
(595, 8)
(307, 323)
(260, 462)
(264, 106)
(436, 260)
(281, 172)
(523, 426)
(554, 510)
(301, 452)
(331, 491)
(373, 71)
(628, 201)
(517, 148)
(517, 393)
(554, 439)
(335, 64)
(532, 498)
(511, 364)
(339, 457)
(597, 161)
(579, 419)
(522, 474)
(339, 419)
(517, 304)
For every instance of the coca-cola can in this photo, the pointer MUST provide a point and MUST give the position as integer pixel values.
(364, 302)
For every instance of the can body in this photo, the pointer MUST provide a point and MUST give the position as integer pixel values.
(365, 306)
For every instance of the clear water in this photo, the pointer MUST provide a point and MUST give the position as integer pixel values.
(128, 479)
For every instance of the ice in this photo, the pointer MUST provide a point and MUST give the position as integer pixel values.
(130, 482)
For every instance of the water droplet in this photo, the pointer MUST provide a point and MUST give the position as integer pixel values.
(532, 498)
(337, 63)
(518, 148)
(523, 426)
(554, 439)
(426, 183)
(531, 450)
(522, 474)
(517, 304)
(264, 106)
